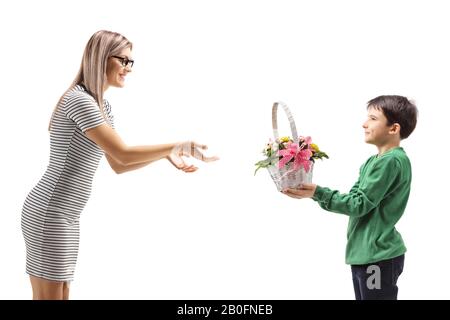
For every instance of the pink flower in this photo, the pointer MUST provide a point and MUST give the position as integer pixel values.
(301, 157)
(306, 141)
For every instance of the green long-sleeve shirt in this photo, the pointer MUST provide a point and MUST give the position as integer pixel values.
(374, 204)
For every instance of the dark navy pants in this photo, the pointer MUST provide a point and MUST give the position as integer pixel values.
(378, 280)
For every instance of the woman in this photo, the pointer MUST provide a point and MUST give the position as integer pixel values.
(81, 131)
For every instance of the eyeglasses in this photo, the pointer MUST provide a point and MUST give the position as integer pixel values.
(125, 61)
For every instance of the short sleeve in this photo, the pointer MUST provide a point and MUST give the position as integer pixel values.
(84, 111)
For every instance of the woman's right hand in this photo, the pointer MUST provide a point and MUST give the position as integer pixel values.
(192, 149)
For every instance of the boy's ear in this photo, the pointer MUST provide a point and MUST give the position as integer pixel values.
(395, 128)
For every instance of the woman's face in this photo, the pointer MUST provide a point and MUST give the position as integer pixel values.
(117, 68)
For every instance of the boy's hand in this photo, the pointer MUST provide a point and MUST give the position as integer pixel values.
(306, 190)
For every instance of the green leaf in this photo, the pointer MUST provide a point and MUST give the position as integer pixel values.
(266, 163)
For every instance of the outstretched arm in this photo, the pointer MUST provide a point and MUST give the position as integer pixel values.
(361, 199)
(111, 143)
(120, 168)
(125, 157)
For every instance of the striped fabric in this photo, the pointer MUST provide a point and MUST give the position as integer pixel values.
(51, 212)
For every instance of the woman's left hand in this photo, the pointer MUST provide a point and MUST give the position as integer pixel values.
(179, 163)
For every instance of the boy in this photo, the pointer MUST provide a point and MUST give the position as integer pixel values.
(375, 249)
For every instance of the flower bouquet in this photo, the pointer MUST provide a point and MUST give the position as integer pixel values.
(290, 161)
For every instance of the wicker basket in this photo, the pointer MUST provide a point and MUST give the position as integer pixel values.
(287, 177)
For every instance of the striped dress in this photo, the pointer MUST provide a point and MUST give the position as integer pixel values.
(51, 212)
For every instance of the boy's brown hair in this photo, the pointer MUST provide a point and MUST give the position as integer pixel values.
(397, 109)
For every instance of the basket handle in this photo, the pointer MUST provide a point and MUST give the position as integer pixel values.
(290, 118)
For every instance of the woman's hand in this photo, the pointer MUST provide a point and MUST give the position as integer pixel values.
(179, 163)
(188, 149)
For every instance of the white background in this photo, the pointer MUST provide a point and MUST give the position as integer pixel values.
(210, 71)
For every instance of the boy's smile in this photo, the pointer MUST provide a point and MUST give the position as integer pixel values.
(376, 129)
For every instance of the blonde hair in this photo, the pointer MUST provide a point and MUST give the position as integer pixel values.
(92, 73)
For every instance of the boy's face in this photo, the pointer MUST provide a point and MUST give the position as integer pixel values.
(376, 129)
